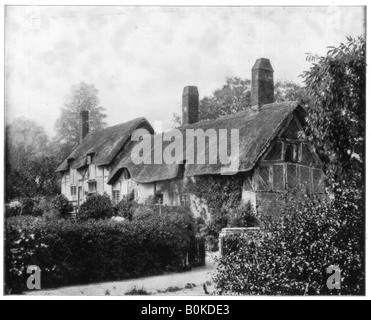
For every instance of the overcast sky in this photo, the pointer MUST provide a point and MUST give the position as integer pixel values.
(140, 58)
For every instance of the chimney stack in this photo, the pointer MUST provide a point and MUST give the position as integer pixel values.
(190, 105)
(262, 87)
(84, 124)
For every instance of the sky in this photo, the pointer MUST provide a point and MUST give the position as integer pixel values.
(141, 58)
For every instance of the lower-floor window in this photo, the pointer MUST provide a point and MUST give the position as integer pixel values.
(92, 186)
(73, 190)
(185, 200)
(159, 198)
(115, 196)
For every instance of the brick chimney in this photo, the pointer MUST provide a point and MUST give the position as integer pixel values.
(84, 124)
(262, 87)
(190, 104)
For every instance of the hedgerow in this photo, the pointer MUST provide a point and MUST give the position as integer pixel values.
(69, 252)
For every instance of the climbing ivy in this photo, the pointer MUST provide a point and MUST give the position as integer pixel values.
(220, 195)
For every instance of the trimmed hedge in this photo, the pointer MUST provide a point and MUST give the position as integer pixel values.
(70, 252)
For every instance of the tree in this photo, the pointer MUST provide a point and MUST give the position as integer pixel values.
(30, 165)
(81, 97)
(290, 91)
(336, 86)
(235, 96)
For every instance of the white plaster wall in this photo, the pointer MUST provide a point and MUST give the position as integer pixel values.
(144, 190)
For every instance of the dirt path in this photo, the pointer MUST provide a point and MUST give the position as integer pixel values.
(168, 284)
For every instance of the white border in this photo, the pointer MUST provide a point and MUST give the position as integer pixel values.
(184, 3)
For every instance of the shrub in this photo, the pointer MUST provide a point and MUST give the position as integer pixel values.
(126, 207)
(13, 209)
(70, 252)
(28, 205)
(291, 255)
(62, 205)
(96, 207)
(243, 217)
(137, 292)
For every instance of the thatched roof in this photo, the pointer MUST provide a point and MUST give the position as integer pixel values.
(104, 144)
(256, 130)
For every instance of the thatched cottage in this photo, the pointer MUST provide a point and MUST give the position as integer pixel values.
(272, 155)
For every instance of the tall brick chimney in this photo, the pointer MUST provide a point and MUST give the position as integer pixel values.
(84, 124)
(190, 105)
(262, 87)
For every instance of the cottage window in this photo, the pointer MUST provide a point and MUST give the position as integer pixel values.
(291, 153)
(73, 190)
(185, 200)
(92, 186)
(159, 199)
(116, 196)
(89, 158)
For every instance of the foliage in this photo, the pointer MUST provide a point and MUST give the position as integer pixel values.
(62, 205)
(30, 164)
(13, 209)
(336, 85)
(243, 217)
(96, 207)
(137, 292)
(235, 96)
(70, 252)
(81, 97)
(27, 205)
(291, 255)
(290, 91)
(220, 196)
(126, 207)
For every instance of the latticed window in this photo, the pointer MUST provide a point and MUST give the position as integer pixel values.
(185, 200)
(115, 196)
(92, 186)
(73, 190)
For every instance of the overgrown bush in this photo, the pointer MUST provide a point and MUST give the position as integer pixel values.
(127, 206)
(28, 205)
(62, 205)
(70, 252)
(13, 209)
(290, 256)
(96, 207)
(243, 217)
(221, 196)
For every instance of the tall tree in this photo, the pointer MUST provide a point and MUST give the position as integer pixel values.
(336, 85)
(30, 164)
(81, 97)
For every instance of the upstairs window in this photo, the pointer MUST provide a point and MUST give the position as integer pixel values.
(89, 158)
(291, 153)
